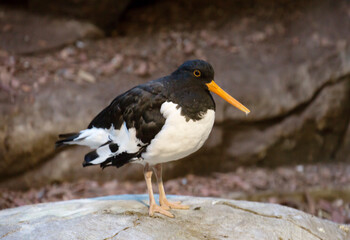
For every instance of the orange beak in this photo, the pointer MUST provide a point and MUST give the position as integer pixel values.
(212, 86)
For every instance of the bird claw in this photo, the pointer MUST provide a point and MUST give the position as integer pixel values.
(154, 208)
(166, 205)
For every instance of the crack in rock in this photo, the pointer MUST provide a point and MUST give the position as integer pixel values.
(124, 229)
(13, 231)
(266, 215)
(135, 223)
(294, 110)
(304, 228)
(247, 210)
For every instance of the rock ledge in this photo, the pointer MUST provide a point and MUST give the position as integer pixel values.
(125, 217)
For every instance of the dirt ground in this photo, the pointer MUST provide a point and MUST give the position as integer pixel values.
(322, 190)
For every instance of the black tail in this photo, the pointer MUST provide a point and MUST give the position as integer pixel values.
(90, 157)
(68, 137)
(117, 160)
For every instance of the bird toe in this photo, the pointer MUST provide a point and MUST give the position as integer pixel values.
(158, 209)
(165, 204)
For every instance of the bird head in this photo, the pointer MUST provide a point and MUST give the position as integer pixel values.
(201, 73)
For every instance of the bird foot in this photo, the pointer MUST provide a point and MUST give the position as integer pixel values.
(154, 208)
(166, 205)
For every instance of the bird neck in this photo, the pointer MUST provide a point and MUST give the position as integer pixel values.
(194, 101)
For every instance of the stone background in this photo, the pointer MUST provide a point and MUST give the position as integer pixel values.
(287, 61)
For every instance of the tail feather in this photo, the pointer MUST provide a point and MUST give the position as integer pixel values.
(101, 154)
(92, 137)
(68, 137)
(119, 160)
(89, 158)
(107, 156)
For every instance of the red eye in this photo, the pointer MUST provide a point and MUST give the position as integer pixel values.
(196, 73)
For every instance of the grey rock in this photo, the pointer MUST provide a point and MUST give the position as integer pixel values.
(28, 34)
(30, 129)
(344, 152)
(311, 134)
(126, 217)
(104, 13)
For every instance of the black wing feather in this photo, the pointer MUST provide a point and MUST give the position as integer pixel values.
(139, 108)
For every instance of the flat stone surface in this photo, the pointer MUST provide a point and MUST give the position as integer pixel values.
(126, 217)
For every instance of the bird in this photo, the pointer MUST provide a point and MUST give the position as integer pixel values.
(153, 123)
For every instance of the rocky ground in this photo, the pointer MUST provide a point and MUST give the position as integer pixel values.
(126, 217)
(322, 189)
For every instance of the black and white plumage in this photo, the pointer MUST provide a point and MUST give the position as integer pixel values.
(129, 128)
(156, 122)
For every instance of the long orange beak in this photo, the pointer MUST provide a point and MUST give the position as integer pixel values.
(218, 90)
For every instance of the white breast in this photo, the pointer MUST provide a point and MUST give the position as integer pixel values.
(178, 138)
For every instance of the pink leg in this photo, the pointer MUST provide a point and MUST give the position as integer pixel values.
(164, 203)
(153, 207)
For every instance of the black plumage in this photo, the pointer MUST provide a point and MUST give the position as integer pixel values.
(140, 107)
(121, 159)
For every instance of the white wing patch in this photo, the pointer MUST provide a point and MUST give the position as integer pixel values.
(127, 140)
(103, 153)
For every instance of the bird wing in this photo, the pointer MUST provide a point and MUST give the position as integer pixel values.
(121, 132)
(129, 124)
(137, 108)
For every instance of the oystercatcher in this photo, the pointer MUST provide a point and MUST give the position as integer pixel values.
(153, 123)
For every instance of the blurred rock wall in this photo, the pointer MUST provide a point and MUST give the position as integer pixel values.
(287, 61)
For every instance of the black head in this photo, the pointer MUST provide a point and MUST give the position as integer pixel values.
(200, 75)
(198, 70)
